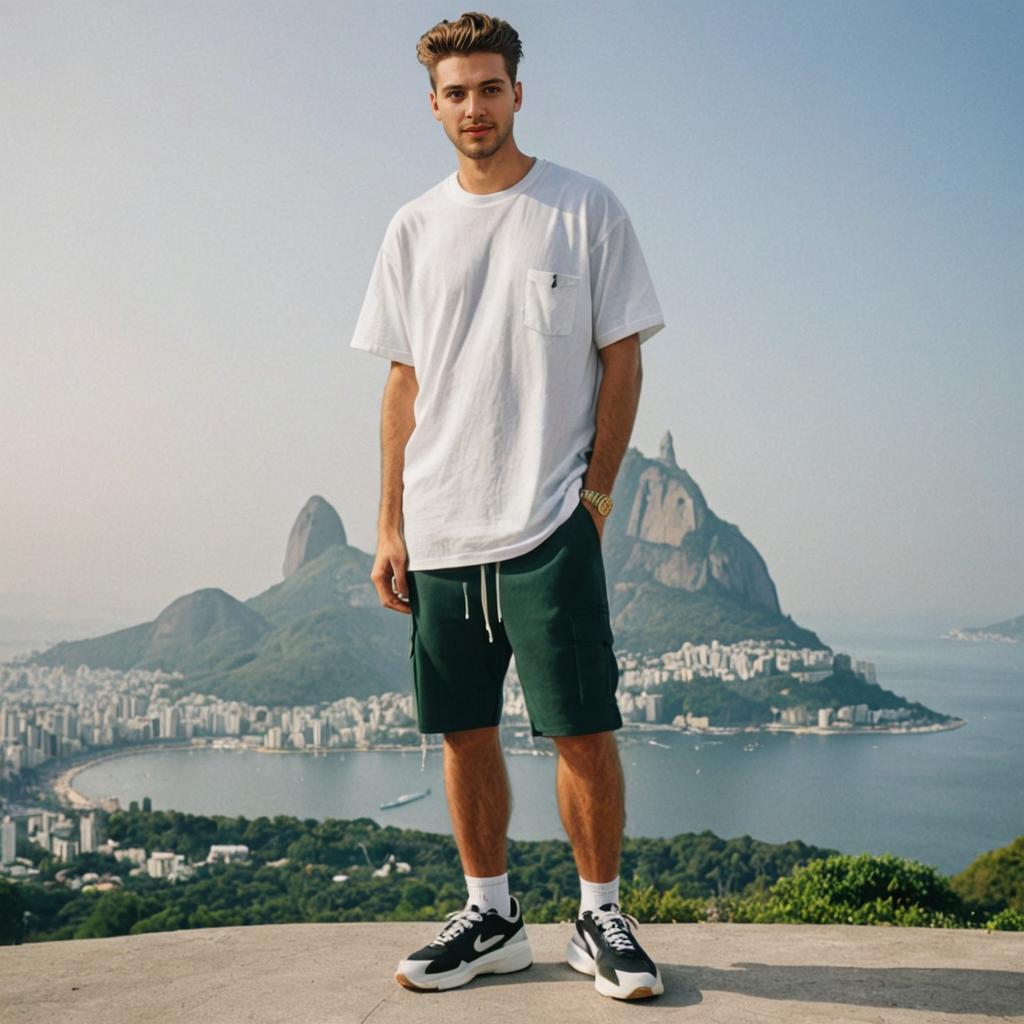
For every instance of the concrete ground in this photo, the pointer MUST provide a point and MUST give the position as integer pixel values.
(342, 973)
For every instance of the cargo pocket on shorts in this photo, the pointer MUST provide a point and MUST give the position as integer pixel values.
(415, 676)
(597, 671)
(551, 298)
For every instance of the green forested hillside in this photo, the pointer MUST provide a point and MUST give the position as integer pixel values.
(326, 654)
(651, 618)
(688, 877)
(317, 636)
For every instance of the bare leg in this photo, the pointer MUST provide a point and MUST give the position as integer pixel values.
(592, 801)
(479, 799)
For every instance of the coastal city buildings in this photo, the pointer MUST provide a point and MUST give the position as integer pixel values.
(49, 713)
(8, 840)
(54, 832)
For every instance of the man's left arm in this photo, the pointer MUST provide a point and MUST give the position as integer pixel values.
(617, 401)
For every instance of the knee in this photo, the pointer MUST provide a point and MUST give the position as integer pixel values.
(590, 748)
(471, 740)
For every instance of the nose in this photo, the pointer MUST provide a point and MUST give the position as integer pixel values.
(474, 105)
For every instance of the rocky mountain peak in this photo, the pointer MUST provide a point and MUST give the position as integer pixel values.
(317, 527)
(670, 535)
(667, 505)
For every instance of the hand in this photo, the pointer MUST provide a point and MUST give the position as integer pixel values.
(388, 574)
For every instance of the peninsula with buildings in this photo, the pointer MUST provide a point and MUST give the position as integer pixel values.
(1010, 631)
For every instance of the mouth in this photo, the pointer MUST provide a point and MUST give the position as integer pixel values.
(477, 130)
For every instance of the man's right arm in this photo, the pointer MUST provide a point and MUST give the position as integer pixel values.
(396, 425)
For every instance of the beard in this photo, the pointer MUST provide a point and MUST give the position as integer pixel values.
(479, 150)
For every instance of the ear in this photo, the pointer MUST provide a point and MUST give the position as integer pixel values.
(434, 107)
(517, 91)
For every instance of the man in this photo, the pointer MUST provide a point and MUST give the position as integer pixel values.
(511, 299)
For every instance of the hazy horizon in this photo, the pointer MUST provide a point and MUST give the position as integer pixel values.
(829, 198)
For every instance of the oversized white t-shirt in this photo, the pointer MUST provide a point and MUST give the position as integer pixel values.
(501, 302)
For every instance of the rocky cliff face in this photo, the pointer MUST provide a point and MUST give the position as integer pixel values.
(668, 534)
(317, 527)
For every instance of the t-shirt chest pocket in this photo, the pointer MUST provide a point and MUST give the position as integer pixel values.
(551, 299)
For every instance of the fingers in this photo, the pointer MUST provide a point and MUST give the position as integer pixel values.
(391, 595)
(399, 586)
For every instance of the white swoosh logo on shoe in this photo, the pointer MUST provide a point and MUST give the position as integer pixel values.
(480, 944)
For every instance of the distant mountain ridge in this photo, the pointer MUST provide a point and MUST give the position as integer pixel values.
(675, 570)
(1007, 631)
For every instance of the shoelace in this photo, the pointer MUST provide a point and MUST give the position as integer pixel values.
(612, 924)
(458, 922)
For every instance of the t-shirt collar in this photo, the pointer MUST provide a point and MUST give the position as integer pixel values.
(455, 191)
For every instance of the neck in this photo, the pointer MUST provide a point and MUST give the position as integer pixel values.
(494, 173)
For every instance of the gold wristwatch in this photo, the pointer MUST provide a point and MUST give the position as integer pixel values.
(602, 502)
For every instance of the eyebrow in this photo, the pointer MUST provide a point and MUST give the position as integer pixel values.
(490, 81)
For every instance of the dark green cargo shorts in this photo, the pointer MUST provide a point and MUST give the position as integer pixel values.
(548, 607)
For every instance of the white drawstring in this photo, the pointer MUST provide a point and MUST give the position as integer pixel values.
(483, 601)
(483, 596)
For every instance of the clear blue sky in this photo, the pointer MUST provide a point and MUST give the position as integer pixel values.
(829, 196)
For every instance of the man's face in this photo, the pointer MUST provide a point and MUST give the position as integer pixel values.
(474, 91)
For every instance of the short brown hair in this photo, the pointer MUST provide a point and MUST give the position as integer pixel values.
(472, 33)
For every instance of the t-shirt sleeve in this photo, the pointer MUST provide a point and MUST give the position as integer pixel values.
(622, 292)
(381, 327)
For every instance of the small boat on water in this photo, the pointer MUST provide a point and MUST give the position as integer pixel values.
(405, 798)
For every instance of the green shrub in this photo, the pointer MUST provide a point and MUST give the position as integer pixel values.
(1008, 920)
(12, 907)
(114, 913)
(647, 904)
(864, 889)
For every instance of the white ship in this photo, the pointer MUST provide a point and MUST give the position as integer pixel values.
(405, 798)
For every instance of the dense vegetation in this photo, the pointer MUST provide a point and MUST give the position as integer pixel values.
(689, 877)
(995, 880)
(651, 618)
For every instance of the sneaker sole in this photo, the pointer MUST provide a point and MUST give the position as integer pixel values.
(514, 957)
(641, 986)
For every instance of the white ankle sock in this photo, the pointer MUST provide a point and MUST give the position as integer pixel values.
(594, 894)
(490, 892)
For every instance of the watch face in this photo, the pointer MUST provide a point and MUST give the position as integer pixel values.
(604, 506)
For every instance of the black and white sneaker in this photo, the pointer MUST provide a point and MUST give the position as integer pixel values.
(471, 943)
(603, 945)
